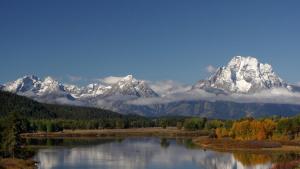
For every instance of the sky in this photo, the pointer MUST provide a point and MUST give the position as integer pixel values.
(180, 40)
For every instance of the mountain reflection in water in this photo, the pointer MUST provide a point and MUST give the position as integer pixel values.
(150, 153)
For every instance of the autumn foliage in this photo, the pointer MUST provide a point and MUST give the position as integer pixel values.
(222, 132)
(249, 129)
(253, 129)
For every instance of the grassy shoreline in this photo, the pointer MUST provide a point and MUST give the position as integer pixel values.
(228, 144)
(14, 163)
(151, 132)
(200, 138)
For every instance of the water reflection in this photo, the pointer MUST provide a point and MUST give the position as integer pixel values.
(151, 153)
(164, 143)
(249, 159)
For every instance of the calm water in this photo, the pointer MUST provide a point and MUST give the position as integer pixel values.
(150, 153)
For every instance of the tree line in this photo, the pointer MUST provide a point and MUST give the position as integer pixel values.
(272, 128)
(275, 128)
(123, 122)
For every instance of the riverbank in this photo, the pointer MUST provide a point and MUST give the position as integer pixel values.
(132, 132)
(227, 144)
(14, 163)
(200, 138)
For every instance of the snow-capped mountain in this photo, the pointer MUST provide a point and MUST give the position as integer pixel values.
(126, 86)
(89, 91)
(24, 84)
(74, 90)
(50, 85)
(48, 90)
(130, 86)
(242, 75)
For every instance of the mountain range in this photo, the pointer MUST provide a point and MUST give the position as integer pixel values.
(244, 87)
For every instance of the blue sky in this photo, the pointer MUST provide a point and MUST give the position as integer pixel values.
(151, 39)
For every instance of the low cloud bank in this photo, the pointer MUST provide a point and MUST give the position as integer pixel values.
(167, 87)
(279, 96)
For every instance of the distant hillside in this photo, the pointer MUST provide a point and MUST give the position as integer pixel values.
(14, 103)
(217, 109)
(220, 109)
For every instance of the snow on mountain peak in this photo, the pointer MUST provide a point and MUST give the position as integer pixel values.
(91, 90)
(243, 75)
(50, 85)
(25, 83)
(129, 86)
(126, 86)
(50, 80)
(128, 78)
(31, 85)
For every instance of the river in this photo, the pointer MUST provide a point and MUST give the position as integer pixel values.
(149, 153)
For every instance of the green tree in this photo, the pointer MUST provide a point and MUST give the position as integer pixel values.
(41, 126)
(213, 124)
(15, 125)
(120, 124)
(163, 123)
(1, 131)
(284, 125)
(50, 126)
(194, 123)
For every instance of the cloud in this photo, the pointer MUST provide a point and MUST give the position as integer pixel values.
(110, 80)
(210, 69)
(167, 87)
(110, 101)
(174, 97)
(277, 96)
(65, 101)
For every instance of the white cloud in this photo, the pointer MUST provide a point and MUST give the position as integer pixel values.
(62, 100)
(168, 87)
(279, 95)
(110, 80)
(175, 97)
(211, 69)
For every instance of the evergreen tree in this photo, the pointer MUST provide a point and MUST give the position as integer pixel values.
(15, 125)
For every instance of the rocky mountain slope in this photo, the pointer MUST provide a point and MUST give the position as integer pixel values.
(242, 75)
(48, 90)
